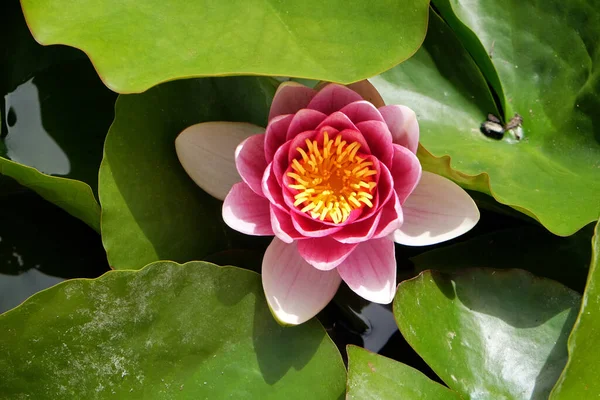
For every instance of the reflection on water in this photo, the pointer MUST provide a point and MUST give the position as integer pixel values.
(382, 326)
(27, 141)
(14, 289)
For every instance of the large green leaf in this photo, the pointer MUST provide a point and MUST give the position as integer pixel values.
(531, 248)
(489, 334)
(137, 46)
(56, 115)
(581, 377)
(544, 53)
(168, 331)
(371, 376)
(151, 209)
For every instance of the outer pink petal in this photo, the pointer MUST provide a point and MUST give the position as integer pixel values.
(406, 171)
(332, 98)
(247, 212)
(403, 124)
(289, 98)
(281, 222)
(371, 270)
(324, 253)
(338, 121)
(207, 153)
(304, 120)
(379, 139)
(361, 111)
(275, 134)
(367, 92)
(250, 161)
(295, 291)
(391, 218)
(436, 211)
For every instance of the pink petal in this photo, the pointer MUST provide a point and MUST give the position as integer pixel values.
(370, 270)
(280, 161)
(247, 212)
(403, 124)
(275, 134)
(358, 231)
(308, 227)
(324, 253)
(207, 153)
(332, 98)
(289, 98)
(281, 222)
(272, 189)
(295, 291)
(250, 161)
(361, 111)
(391, 218)
(379, 139)
(379, 225)
(406, 170)
(304, 120)
(368, 92)
(338, 121)
(436, 211)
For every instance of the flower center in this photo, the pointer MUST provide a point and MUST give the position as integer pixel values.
(331, 179)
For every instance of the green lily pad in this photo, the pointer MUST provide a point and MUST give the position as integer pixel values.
(562, 259)
(553, 172)
(151, 209)
(489, 334)
(371, 376)
(56, 115)
(136, 47)
(580, 378)
(191, 331)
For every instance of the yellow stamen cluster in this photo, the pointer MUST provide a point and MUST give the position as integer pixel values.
(331, 179)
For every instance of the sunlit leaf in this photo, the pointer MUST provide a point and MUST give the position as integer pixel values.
(489, 334)
(544, 54)
(581, 378)
(373, 377)
(168, 331)
(135, 46)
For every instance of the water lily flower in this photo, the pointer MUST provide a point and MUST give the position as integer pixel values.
(335, 179)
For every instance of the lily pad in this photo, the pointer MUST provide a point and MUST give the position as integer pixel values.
(545, 66)
(371, 376)
(489, 334)
(189, 331)
(151, 209)
(56, 115)
(580, 378)
(135, 47)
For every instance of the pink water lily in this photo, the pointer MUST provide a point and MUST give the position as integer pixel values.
(334, 177)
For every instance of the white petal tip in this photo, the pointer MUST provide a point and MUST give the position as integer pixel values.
(295, 291)
(438, 210)
(206, 151)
